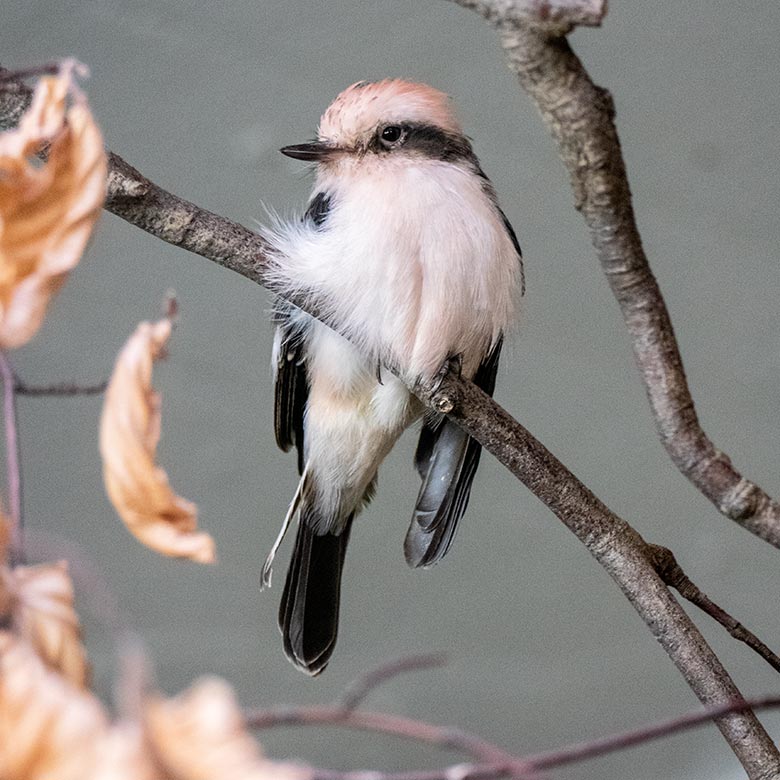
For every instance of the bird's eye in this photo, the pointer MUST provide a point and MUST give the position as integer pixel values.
(389, 136)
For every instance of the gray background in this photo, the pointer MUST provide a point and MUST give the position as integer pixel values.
(544, 649)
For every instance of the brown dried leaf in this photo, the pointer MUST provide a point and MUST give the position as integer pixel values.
(49, 730)
(124, 755)
(47, 211)
(42, 612)
(201, 735)
(129, 433)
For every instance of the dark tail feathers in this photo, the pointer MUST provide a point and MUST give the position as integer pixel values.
(309, 611)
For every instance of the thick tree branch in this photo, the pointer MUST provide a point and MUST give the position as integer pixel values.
(620, 549)
(580, 116)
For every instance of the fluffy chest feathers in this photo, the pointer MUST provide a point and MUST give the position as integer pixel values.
(414, 261)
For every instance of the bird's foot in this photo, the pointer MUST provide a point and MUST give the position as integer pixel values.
(452, 365)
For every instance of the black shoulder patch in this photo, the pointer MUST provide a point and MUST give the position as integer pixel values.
(318, 209)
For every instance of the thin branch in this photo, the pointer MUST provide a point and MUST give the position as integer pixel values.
(12, 461)
(362, 720)
(357, 691)
(60, 388)
(456, 772)
(492, 761)
(672, 574)
(50, 69)
(580, 116)
(617, 546)
(599, 747)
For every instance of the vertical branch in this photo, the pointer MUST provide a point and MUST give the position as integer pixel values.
(580, 117)
(12, 459)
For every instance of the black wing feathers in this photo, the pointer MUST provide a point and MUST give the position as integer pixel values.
(291, 390)
(318, 209)
(446, 459)
(516, 244)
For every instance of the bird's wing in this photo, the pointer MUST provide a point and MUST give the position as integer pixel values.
(291, 380)
(513, 237)
(446, 459)
(291, 386)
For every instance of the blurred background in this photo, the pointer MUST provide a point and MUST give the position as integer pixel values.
(543, 648)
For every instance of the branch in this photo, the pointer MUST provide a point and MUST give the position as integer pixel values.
(560, 16)
(58, 389)
(12, 460)
(672, 574)
(492, 761)
(580, 116)
(356, 692)
(617, 546)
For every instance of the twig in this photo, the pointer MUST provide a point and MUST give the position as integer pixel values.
(598, 747)
(493, 762)
(363, 720)
(356, 692)
(60, 388)
(672, 574)
(617, 546)
(580, 116)
(455, 772)
(13, 462)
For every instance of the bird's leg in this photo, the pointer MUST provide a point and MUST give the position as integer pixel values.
(453, 364)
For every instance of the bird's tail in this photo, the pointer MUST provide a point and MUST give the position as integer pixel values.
(309, 610)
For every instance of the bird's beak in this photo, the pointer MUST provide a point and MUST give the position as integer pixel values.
(317, 151)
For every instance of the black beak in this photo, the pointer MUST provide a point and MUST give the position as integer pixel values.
(312, 152)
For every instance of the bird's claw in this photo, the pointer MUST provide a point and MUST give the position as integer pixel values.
(452, 365)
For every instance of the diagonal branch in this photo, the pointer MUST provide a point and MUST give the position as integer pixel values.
(580, 116)
(616, 546)
(493, 762)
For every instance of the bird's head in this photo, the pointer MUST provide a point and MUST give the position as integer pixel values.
(385, 120)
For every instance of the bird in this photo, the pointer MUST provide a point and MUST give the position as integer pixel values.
(404, 248)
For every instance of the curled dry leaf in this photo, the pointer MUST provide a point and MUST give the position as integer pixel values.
(41, 611)
(129, 433)
(47, 210)
(201, 735)
(48, 728)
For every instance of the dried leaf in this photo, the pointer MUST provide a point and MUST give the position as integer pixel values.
(48, 210)
(49, 730)
(42, 613)
(129, 433)
(123, 755)
(201, 735)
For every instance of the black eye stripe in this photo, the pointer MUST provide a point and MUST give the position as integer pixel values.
(438, 144)
(426, 140)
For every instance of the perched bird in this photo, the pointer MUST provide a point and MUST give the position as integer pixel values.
(403, 246)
